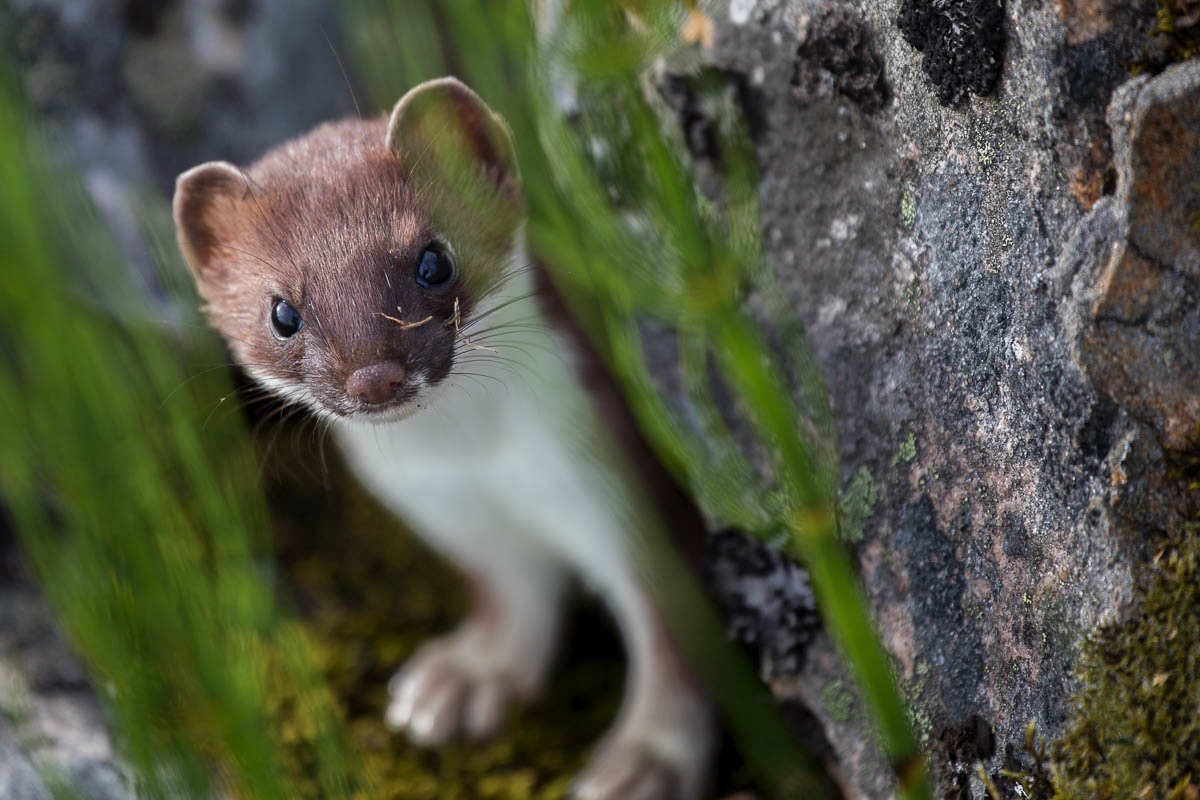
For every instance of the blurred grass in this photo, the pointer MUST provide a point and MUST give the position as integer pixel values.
(139, 506)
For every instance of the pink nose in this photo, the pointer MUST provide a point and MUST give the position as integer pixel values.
(377, 383)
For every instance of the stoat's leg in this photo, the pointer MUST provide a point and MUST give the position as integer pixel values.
(661, 744)
(462, 683)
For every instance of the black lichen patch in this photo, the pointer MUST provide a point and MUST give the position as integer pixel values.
(1095, 436)
(1134, 730)
(937, 576)
(839, 55)
(1089, 72)
(767, 600)
(962, 42)
(960, 748)
(709, 103)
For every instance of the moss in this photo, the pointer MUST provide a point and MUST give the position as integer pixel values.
(837, 700)
(912, 294)
(907, 450)
(908, 206)
(1133, 730)
(858, 501)
(985, 149)
(1173, 37)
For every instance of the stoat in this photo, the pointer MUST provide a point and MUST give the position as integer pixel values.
(359, 272)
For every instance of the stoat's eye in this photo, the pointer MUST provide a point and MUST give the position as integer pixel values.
(435, 267)
(285, 319)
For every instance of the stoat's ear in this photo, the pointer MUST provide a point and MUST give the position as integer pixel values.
(207, 200)
(442, 129)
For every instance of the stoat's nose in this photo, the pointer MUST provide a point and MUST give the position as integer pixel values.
(376, 384)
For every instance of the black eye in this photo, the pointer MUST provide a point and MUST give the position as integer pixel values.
(435, 267)
(285, 320)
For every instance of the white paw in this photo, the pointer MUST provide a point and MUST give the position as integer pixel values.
(446, 691)
(649, 762)
(628, 773)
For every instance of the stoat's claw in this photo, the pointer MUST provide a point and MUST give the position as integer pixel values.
(441, 694)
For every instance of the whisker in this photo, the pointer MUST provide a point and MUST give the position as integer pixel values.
(499, 307)
(345, 77)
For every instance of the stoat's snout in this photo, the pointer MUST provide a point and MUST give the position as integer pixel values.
(377, 384)
(383, 392)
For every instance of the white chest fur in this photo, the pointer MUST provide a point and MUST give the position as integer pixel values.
(508, 454)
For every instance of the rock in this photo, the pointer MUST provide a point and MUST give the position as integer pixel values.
(18, 778)
(1137, 278)
(951, 285)
(51, 727)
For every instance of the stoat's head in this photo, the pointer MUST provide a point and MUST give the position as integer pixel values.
(345, 268)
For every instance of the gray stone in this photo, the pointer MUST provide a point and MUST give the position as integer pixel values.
(1136, 262)
(939, 259)
(51, 728)
(19, 780)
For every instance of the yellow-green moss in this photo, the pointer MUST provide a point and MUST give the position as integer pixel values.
(857, 502)
(837, 700)
(1135, 729)
(1170, 41)
(908, 206)
(907, 450)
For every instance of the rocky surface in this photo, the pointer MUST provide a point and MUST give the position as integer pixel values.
(1138, 261)
(52, 730)
(1013, 377)
(992, 245)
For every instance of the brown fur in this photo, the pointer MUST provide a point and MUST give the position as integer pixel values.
(332, 224)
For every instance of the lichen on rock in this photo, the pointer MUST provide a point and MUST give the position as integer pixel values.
(963, 43)
(839, 55)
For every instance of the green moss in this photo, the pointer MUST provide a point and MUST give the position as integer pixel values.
(908, 206)
(858, 504)
(837, 700)
(907, 450)
(1173, 37)
(985, 149)
(1134, 730)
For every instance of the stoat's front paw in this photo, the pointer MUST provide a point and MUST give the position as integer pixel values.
(449, 689)
(628, 772)
(651, 760)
